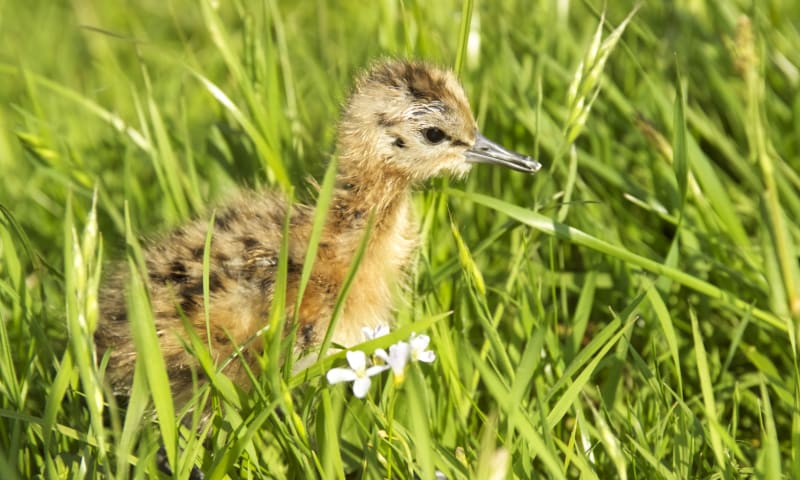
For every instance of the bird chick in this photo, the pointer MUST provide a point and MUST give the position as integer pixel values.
(405, 122)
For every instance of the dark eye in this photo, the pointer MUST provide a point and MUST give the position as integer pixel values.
(434, 135)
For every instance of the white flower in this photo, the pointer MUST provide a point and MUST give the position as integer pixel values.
(415, 350)
(419, 352)
(373, 333)
(397, 358)
(358, 373)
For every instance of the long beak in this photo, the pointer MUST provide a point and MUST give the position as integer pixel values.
(486, 151)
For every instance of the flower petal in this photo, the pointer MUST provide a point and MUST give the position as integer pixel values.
(338, 375)
(376, 369)
(427, 356)
(400, 351)
(381, 353)
(399, 354)
(357, 360)
(419, 342)
(361, 387)
(373, 333)
(419, 348)
(368, 333)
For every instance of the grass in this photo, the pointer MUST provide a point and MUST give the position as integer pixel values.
(630, 312)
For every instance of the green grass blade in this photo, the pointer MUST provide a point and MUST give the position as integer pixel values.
(463, 35)
(317, 228)
(272, 163)
(565, 232)
(770, 455)
(148, 352)
(420, 425)
(680, 160)
(520, 419)
(345, 288)
(668, 330)
(331, 410)
(709, 404)
(570, 396)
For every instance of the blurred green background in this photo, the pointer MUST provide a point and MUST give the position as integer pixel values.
(171, 106)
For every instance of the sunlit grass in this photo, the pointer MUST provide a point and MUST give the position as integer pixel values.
(630, 312)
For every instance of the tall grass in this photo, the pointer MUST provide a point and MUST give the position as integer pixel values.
(630, 312)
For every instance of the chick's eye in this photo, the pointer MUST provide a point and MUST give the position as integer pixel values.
(434, 135)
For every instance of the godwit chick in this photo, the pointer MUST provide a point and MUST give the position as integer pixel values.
(404, 123)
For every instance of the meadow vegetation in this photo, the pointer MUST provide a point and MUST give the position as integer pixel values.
(631, 311)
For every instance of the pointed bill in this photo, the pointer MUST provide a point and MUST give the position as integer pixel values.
(486, 151)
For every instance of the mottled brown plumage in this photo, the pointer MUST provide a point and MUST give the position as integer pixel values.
(405, 122)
